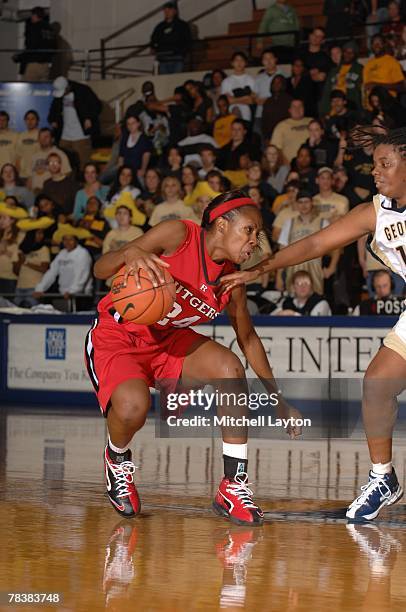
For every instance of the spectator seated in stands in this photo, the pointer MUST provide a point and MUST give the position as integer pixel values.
(382, 69)
(190, 179)
(10, 238)
(276, 106)
(196, 138)
(384, 302)
(8, 141)
(39, 172)
(223, 122)
(301, 87)
(229, 156)
(284, 207)
(275, 170)
(339, 115)
(263, 83)
(125, 230)
(27, 144)
(330, 205)
(212, 82)
(91, 187)
(71, 268)
(173, 163)
(280, 17)
(60, 188)
(11, 185)
(125, 180)
(74, 115)
(386, 108)
(125, 199)
(30, 264)
(171, 40)
(307, 222)
(172, 207)
(93, 221)
(304, 165)
(359, 164)
(239, 87)
(304, 301)
(316, 60)
(342, 186)
(217, 181)
(290, 133)
(202, 105)
(208, 156)
(346, 77)
(323, 149)
(151, 194)
(255, 179)
(135, 147)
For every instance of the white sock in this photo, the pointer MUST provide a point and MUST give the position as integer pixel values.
(238, 451)
(382, 468)
(116, 449)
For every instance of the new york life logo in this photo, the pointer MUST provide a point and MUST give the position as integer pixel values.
(55, 343)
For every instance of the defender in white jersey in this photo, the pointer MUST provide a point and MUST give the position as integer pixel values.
(385, 378)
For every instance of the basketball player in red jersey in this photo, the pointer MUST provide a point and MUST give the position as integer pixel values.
(125, 359)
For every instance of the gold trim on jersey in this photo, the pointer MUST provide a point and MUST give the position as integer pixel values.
(372, 246)
(392, 341)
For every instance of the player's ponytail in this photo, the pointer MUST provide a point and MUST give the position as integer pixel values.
(226, 205)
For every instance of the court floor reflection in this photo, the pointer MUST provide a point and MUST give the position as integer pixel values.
(59, 533)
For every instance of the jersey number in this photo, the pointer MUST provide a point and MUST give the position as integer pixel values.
(402, 253)
(176, 310)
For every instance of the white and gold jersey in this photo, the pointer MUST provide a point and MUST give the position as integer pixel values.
(389, 241)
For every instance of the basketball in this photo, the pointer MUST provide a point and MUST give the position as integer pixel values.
(146, 305)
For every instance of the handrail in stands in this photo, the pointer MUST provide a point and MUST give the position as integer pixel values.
(141, 48)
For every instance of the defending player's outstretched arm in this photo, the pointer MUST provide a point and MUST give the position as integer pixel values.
(358, 222)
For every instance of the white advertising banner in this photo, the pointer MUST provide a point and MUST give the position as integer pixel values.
(49, 357)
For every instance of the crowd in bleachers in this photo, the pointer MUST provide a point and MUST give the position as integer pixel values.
(283, 138)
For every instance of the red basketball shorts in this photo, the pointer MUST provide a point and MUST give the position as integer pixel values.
(113, 355)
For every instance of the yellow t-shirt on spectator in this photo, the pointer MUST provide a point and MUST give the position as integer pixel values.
(384, 69)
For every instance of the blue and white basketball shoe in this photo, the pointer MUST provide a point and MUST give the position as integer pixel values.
(381, 490)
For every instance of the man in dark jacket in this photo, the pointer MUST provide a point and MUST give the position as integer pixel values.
(171, 41)
(74, 115)
(39, 37)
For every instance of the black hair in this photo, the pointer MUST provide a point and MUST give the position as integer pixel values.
(367, 136)
(116, 187)
(5, 114)
(269, 50)
(44, 129)
(239, 54)
(32, 112)
(235, 194)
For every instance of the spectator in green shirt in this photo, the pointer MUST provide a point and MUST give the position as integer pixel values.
(280, 17)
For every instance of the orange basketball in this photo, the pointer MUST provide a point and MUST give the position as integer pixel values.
(146, 305)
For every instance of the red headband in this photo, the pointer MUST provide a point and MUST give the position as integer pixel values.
(230, 205)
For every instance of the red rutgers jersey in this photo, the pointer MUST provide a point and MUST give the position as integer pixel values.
(196, 276)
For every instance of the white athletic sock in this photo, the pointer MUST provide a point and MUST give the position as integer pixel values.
(116, 449)
(382, 468)
(238, 451)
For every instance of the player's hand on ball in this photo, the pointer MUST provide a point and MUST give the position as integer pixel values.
(137, 259)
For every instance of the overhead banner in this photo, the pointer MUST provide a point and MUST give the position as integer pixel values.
(55, 360)
(17, 98)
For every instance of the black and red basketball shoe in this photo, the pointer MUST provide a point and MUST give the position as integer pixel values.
(234, 501)
(120, 484)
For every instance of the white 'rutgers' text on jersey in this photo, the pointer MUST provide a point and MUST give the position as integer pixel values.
(389, 241)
